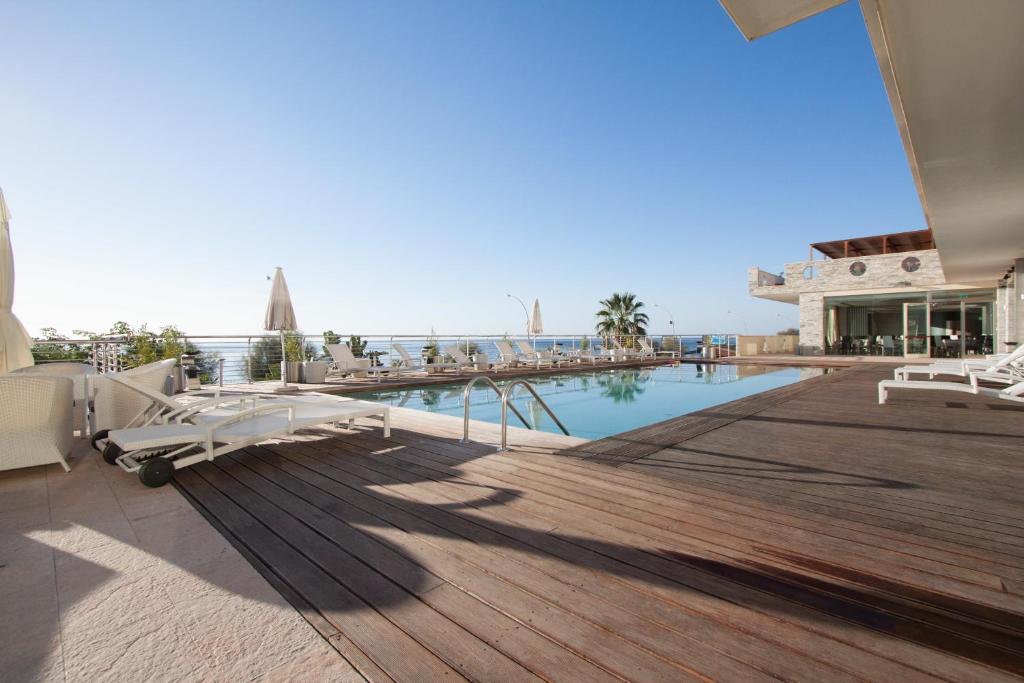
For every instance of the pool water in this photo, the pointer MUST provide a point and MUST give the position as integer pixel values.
(596, 404)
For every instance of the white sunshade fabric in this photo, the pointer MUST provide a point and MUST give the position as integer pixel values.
(15, 342)
(280, 314)
(536, 322)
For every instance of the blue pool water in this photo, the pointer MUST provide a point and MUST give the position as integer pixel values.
(596, 404)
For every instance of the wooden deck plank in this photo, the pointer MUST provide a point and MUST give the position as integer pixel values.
(311, 495)
(609, 487)
(543, 546)
(387, 581)
(669, 637)
(395, 652)
(862, 608)
(803, 534)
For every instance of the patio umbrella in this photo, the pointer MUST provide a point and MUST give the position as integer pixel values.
(15, 344)
(536, 323)
(280, 315)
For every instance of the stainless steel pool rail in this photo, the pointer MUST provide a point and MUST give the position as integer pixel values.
(506, 396)
(465, 404)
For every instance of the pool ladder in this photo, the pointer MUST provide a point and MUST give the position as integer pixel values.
(506, 403)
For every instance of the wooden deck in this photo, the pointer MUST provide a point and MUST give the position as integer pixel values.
(803, 534)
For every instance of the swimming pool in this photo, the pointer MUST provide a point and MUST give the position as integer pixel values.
(596, 404)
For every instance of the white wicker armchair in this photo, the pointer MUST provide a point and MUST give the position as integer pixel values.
(117, 406)
(77, 372)
(35, 420)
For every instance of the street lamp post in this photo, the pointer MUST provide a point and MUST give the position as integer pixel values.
(743, 323)
(525, 312)
(672, 318)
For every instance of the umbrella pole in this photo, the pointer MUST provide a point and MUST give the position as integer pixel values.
(284, 363)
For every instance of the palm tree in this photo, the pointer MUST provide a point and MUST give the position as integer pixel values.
(621, 315)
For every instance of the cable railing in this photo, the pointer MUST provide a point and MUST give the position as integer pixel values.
(245, 359)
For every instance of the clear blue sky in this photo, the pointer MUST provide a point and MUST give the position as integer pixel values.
(407, 163)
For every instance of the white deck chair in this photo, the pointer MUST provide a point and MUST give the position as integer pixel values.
(344, 361)
(195, 435)
(1010, 364)
(406, 362)
(623, 352)
(1014, 392)
(533, 357)
(646, 350)
(460, 359)
(508, 355)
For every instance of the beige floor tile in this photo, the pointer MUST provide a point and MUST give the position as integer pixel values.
(182, 537)
(25, 519)
(30, 643)
(320, 665)
(72, 535)
(157, 648)
(116, 583)
(113, 607)
(104, 579)
(22, 488)
(140, 502)
(246, 638)
(20, 476)
(23, 562)
(227, 575)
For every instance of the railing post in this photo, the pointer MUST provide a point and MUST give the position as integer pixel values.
(220, 371)
(504, 420)
(248, 359)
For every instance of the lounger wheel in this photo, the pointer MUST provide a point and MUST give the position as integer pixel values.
(111, 452)
(97, 437)
(156, 472)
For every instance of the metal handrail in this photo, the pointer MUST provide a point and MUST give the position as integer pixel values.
(465, 404)
(506, 395)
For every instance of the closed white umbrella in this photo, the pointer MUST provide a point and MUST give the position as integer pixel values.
(15, 344)
(536, 322)
(280, 315)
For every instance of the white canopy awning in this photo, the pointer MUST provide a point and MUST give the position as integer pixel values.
(15, 342)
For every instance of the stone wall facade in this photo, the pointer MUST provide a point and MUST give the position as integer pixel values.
(882, 271)
(812, 324)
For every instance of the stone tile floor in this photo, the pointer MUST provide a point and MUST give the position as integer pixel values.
(104, 579)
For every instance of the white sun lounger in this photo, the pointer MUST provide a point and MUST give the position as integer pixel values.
(1014, 392)
(406, 362)
(197, 434)
(646, 350)
(509, 357)
(461, 359)
(1008, 363)
(534, 357)
(344, 361)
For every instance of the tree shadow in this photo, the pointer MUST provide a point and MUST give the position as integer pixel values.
(729, 464)
(770, 470)
(351, 530)
(380, 531)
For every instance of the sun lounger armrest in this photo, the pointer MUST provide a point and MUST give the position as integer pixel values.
(185, 412)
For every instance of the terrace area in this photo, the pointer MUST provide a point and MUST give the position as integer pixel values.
(746, 541)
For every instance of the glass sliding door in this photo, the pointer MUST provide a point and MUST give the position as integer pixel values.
(916, 330)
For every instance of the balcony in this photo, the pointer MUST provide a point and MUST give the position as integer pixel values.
(907, 269)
